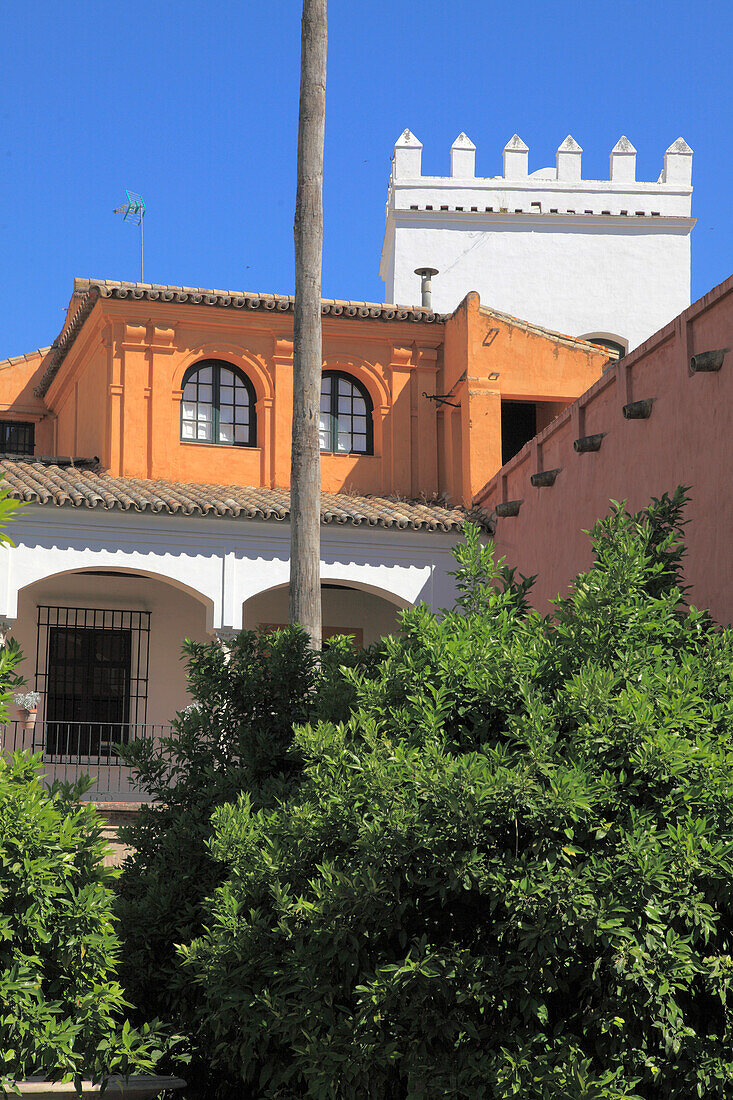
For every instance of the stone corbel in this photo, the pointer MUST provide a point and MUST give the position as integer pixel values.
(427, 359)
(282, 351)
(401, 359)
(163, 340)
(135, 338)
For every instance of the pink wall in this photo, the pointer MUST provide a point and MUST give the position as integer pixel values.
(688, 439)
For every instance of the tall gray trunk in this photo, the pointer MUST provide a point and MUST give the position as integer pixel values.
(305, 469)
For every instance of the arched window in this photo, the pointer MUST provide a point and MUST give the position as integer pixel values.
(218, 405)
(346, 415)
(616, 349)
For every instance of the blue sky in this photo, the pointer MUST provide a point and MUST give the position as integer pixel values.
(195, 106)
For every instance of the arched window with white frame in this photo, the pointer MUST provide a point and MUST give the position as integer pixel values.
(218, 405)
(346, 425)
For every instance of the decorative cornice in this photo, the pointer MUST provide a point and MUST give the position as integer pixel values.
(89, 291)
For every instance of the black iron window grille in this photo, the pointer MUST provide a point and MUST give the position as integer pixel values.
(92, 669)
(17, 437)
(218, 405)
(346, 416)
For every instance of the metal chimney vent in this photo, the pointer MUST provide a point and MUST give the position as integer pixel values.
(426, 286)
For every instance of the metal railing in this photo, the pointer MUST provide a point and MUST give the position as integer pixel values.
(72, 749)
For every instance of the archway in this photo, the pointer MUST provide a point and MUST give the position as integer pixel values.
(102, 648)
(361, 611)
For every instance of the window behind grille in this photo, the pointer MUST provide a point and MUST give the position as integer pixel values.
(17, 437)
(92, 671)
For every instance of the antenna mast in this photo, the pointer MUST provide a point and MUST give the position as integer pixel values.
(133, 209)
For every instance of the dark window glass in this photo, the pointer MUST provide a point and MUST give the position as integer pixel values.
(346, 416)
(617, 350)
(92, 676)
(218, 406)
(88, 693)
(17, 437)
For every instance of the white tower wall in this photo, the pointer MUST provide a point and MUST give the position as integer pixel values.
(584, 257)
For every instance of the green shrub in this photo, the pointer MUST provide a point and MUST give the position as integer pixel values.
(62, 1011)
(236, 736)
(509, 871)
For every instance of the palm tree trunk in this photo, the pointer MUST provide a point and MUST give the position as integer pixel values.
(305, 469)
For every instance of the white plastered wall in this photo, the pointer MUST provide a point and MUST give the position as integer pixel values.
(196, 574)
(571, 254)
(625, 280)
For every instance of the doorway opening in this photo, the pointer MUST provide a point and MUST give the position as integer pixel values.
(518, 426)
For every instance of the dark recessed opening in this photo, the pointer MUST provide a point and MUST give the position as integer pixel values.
(108, 573)
(17, 437)
(518, 426)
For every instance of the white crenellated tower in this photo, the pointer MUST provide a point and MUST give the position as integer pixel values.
(594, 258)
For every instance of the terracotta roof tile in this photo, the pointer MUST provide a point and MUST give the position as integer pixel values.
(550, 334)
(15, 359)
(81, 483)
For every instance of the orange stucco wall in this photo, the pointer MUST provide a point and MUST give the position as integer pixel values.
(488, 358)
(18, 377)
(686, 440)
(117, 394)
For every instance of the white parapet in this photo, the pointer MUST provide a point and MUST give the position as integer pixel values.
(582, 256)
(463, 158)
(623, 162)
(516, 159)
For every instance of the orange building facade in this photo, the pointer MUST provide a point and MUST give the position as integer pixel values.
(112, 387)
(150, 445)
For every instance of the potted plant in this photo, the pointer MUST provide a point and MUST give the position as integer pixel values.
(27, 703)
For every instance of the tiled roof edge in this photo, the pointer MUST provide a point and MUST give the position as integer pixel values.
(63, 343)
(90, 290)
(550, 334)
(237, 299)
(13, 360)
(72, 483)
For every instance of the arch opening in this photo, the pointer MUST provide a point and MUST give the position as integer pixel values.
(346, 415)
(615, 345)
(361, 611)
(103, 648)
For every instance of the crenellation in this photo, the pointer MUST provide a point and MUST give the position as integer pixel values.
(623, 162)
(516, 159)
(463, 158)
(568, 159)
(674, 181)
(678, 164)
(407, 159)
(576, 254)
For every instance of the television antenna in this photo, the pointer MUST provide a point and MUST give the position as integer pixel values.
(133, 210)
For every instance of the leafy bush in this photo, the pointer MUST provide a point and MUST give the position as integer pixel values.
(509, 871)
(62, 1011)
(235, 736)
